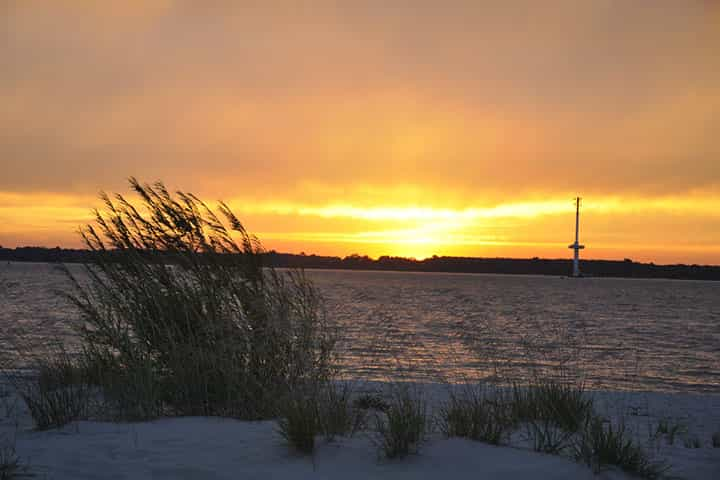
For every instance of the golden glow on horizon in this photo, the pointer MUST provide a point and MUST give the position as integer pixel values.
(525, 228)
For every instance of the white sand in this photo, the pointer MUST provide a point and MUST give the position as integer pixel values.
(217, 448)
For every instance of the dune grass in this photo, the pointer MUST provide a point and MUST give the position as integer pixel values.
(185, 317)
(298, 421)
(604, 443)
(324, 409)
(563, 405)
(339, 417)
(178, 316)
(551, 412)
(57, 395)
(402, 427)
(474, 414)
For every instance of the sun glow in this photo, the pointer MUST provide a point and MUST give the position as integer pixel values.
(411, 229)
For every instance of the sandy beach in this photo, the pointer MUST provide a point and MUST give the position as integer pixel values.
(223, 448)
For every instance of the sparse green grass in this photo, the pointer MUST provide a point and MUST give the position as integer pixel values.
(298, 421)
(547, 437)
(307, 412)
(337, 414)
(401, 429)
(601, 444)
(57, 395)
(130, 391)
(562, 405)
(471, 414)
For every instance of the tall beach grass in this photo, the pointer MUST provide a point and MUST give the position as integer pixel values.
(179, 316)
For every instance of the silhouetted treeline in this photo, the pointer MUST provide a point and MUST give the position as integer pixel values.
(534, 266)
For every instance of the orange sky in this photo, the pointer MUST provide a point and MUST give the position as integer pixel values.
(449, 128)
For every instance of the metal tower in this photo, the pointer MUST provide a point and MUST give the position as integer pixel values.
(576, 246)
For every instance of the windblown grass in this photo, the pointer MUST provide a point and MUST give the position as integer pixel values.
(180, 318)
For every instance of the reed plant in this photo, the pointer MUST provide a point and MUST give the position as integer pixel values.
(180, 317)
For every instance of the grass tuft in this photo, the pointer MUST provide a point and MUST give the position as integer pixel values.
(401, 429)
(603, 444)
(472, 415)
(298, 421)
(562, 405)
(317, 409)
(547, 437)
(57, 395)
(337, 415)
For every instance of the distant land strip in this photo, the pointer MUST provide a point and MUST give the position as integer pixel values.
(519, 266)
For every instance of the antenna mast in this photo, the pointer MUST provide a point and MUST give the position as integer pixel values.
(576, 246)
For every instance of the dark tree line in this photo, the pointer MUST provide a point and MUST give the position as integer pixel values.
(534, 266)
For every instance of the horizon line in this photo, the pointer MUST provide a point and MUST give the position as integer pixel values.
(414, 259)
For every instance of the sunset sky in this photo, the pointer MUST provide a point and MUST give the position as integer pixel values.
(374, 127)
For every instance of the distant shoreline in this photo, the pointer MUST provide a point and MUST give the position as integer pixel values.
(513, 266)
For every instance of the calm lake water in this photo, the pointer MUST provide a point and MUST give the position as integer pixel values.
(659, 335)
